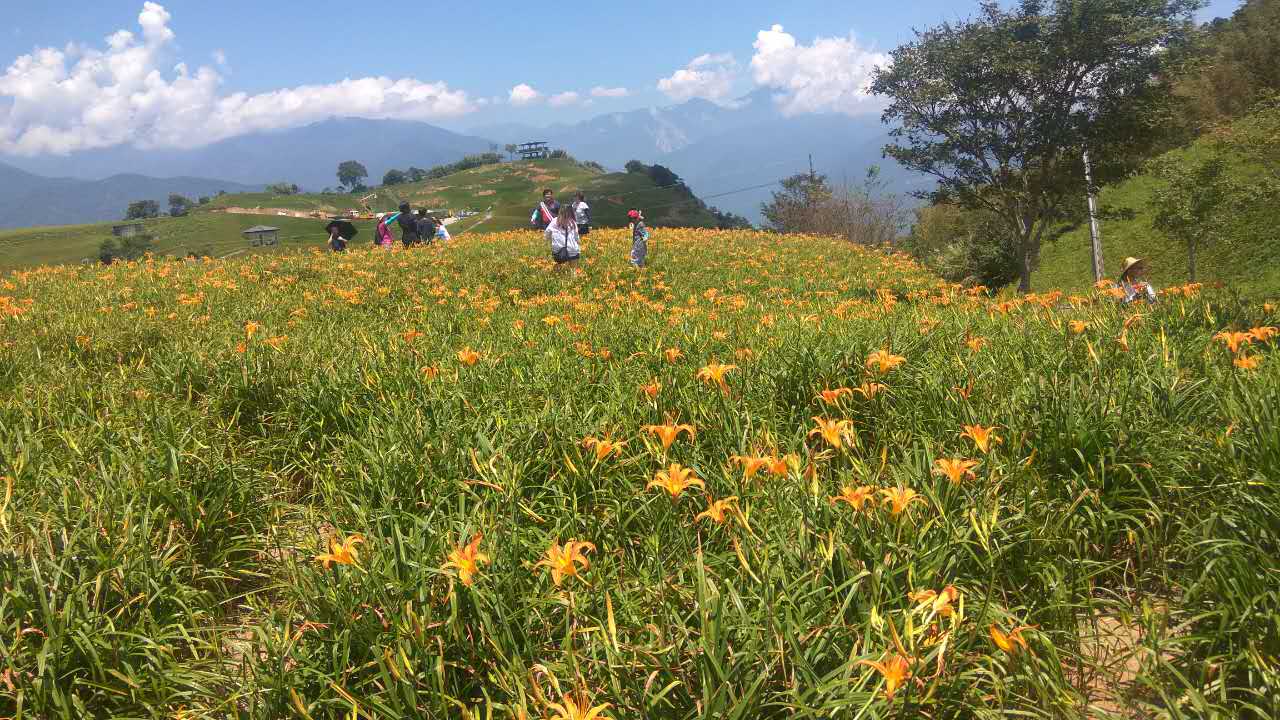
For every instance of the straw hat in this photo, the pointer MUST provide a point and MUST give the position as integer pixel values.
(1129, 264)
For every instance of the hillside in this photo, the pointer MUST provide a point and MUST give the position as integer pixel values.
(508, 192)
(1247, 257)
(765, 478)
(503, 195)
(28, 200)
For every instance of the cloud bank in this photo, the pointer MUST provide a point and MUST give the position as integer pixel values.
(80, 98)
(831, 75)
(709, 77)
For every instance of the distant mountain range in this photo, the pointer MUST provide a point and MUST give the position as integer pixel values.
(718, 150)
(722, 149)
(27, 199)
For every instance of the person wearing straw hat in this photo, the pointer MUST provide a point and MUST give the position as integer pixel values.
(1133, 280)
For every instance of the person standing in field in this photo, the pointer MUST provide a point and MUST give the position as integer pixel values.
(582, 215)
(562, 233)
(408, 226)
(546, 212)
(442, 231)
(426, 227)
(639, 239)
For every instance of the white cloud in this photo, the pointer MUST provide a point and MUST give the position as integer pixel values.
(79, 98)
(220, 57)
(564, 99)
(831, 75)
(606, 92)
(523, 94)
(708, 76)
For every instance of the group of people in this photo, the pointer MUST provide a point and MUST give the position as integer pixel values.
(416, 228)
(565, 225)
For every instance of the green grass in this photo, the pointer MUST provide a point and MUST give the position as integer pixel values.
(180, 441)
(1247, 258)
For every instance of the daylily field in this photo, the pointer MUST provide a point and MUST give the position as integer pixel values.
(768, 477)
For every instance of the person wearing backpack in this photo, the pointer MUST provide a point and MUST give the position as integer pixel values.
(546, 212)
(408, 226)
(562, 233)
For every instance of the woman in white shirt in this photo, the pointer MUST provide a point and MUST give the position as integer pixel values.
(562, 233)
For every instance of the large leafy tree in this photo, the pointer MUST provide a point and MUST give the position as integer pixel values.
(351, 174)
(999, 108)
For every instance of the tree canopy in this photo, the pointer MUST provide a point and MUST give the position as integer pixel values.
(999, 108)
(351, 174)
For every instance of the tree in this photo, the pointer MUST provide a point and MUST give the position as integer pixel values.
(283, 188)
(395, 177)
(1191, 201)
(511, 149)
(179, 205)
(726, 220)
(962, 245)
(352, 174)
(417, 174)
(999, 108)
(142, 210)
(663, 176)
(794, 207)
(204, 200)
(635, 166)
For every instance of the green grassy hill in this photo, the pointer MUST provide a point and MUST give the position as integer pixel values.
(503, 195)
(1248, 257)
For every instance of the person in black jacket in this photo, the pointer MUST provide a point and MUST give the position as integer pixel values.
(408, 226)
(546, 212)
(426, 227)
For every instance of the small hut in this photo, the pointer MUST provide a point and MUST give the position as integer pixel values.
(262, 235)
(128, 230)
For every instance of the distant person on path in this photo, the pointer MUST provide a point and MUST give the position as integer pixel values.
(582, 215)
(546, 212)
(1133, 280)
(426, 226)
(562, 233)
(639, 239)
(442, 231)
(408, 226)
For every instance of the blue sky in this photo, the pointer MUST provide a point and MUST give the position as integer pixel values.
(460, 60)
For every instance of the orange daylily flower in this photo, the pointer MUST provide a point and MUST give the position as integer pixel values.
(718, 510)
(833, 432)
(669, 433)
(276, 342)
(410, 335)
(577, 708)
(976, 343)
(1233, 340)
(940, 603)
(1247, 362)
(883, 361)
(1265, 333)
(1013, 642)
(566, 561)
(750, 465)
(431, 372)
(832, 397)
(468, 357)
(955, 469)
(781, 466)
(674, 480)
(869, 390)
(856, 497)
(342, 553)
(652, 389)
(250, 328)
(1079, 326)
(894, 668)
(900, 499)
(672, 354)
(467, 559)
(604, 447)
(982, 437)
(714, 373)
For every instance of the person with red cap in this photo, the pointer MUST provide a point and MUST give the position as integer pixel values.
(639, 238)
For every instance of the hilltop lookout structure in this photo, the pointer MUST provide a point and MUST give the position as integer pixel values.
(128, 230)
(535, 150)
(262, 236)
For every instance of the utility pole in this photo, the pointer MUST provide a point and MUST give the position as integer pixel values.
(1095, 232)
(813, 176)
